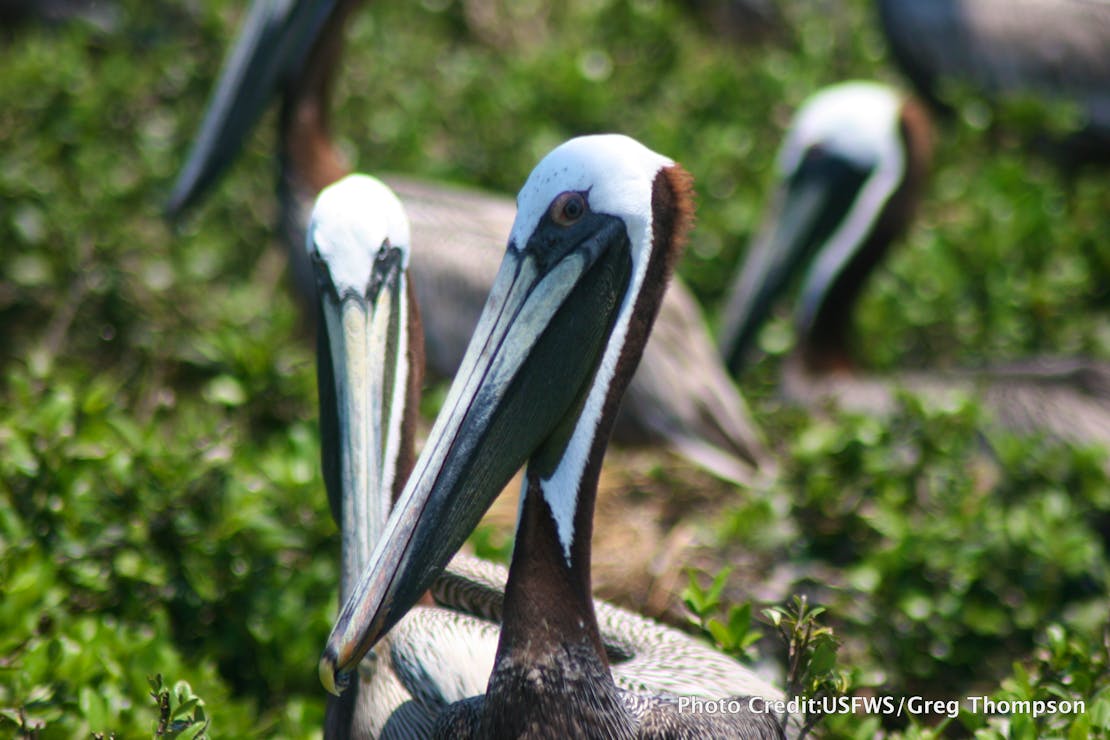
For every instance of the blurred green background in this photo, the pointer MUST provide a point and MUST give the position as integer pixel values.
(163, 511)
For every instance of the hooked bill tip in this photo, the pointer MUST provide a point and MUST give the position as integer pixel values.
(334, 681)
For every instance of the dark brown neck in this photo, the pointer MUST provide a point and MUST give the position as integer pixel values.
(309, 157)
(548, 601)
(406, 455)
(828, 346)
(551, 671)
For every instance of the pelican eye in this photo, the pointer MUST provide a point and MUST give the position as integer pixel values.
(568, 208)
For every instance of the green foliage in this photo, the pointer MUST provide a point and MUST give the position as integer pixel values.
(948, 561)
(812, 672)
(734, 634)
(935, 554)
(133, 549)
(181, 712)
(1067, 668)
(490, 543)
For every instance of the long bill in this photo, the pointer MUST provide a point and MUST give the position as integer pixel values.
(272, 44)
(516, 397)
(806, 212)
(363, 373)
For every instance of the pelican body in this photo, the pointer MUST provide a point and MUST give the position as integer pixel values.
(682, 397)
(600, 224)
(1055, 49)
(851, 171)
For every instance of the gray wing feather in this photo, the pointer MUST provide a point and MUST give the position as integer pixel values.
(1063, 399)
(1059, 48)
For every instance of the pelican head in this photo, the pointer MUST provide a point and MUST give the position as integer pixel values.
(358, 242)
(846, 157)
(599, 223)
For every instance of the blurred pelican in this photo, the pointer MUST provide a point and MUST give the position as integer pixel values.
(1054, 49)
(682, 396)
(851, 174)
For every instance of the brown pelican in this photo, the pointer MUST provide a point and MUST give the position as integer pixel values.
(682, 396)
(1056, 49)
(851, 172)
(600, 224)
(369, 371)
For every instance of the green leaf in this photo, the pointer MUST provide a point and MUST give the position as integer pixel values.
(1098, 709)
(822, 660)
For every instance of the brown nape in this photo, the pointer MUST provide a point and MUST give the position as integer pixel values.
(672, 208)
(828, 347)
(406, 456)
(305, 113)
(672, 204)
(917, 131)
